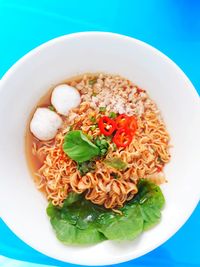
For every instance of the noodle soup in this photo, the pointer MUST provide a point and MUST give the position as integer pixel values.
(97, 146)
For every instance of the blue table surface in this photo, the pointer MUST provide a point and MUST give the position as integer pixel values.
(172, 26)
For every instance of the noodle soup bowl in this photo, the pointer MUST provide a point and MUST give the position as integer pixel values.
(23, 206)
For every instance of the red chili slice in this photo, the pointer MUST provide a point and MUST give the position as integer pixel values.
(133, 125)
(139, 90)
(122, 121)
(122, 138)
(106, 125)
(159, 168)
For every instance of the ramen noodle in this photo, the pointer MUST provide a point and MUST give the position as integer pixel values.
(110, 178)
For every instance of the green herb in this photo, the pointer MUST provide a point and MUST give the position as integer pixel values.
(107, 138)
(92, 82)
(102, 109)
(93, 127)
(159, 159)
(80, 221)
(116, 163)
(115, 175)
(103, 145)
(51, 108)
(114, 146)
(86, 167)
(93, 119)
(112, 115)
(78, 146)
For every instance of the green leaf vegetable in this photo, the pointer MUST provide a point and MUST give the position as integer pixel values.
(70, 234)
(80, 221)
(78, 147)
(116, 163)
(151, 201)
(75, 223)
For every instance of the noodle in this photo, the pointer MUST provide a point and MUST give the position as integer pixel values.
(145, 157)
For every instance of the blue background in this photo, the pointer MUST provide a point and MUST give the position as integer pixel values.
(172, 26)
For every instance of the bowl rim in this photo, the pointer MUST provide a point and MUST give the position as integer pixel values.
(193, 92)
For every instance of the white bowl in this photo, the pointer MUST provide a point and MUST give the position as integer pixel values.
(23, 206)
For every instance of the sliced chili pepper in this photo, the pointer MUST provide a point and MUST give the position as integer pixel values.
(159, 168)
(122, 138)
(122, 121)
(133, 125)
(106, 125)
(139, 90)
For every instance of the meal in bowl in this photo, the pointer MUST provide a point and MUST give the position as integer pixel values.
(96, 146)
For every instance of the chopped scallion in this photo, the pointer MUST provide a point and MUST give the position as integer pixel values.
(102, 109)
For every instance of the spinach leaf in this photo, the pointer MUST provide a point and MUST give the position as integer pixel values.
(116, 163)
(80, 221)
(75, 223)
(70, 234)
(151, 201)
(71, 198)
(83, 213)
(122, 227)
(53, 211)
(78, 147)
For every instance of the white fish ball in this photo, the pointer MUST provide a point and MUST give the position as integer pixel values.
(45, 124)
(64, 98)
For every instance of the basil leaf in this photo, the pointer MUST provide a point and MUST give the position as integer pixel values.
(116, 163)
(78, 147)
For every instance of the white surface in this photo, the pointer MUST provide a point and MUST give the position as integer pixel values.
(64, 98)
(45, 124)
(23, 207)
